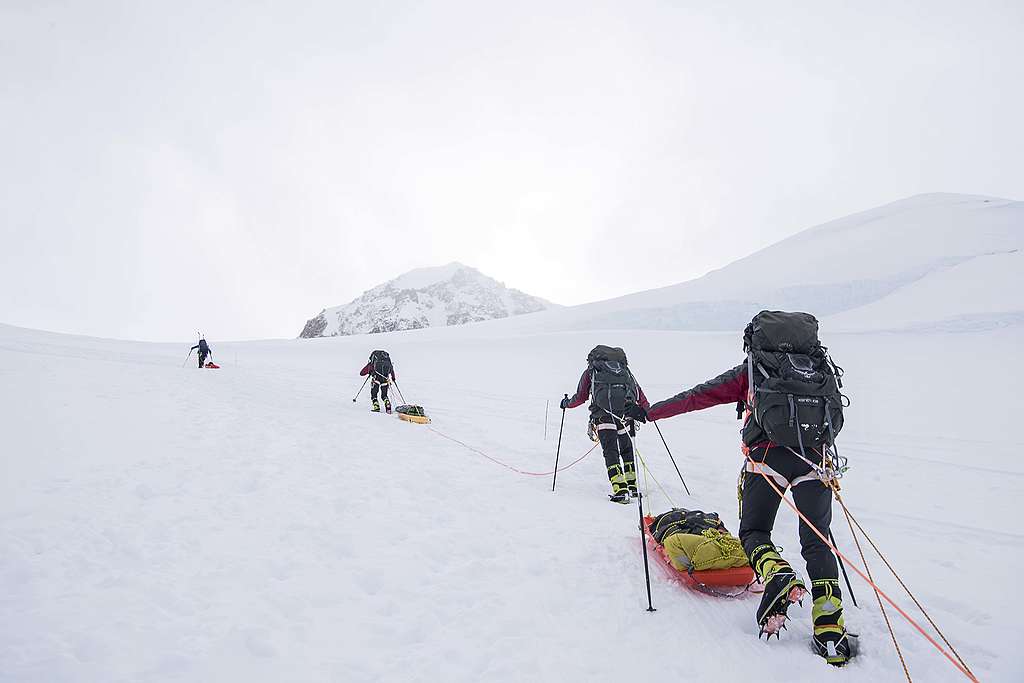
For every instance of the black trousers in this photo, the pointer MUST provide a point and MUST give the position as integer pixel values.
(202, 358)
(376, 385)
(759, 504)
(615, 442)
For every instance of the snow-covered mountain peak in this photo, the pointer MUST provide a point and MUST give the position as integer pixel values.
(419, 278)
(451, 294)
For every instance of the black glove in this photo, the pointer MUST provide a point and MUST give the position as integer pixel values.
(637, 412)
(565, 403)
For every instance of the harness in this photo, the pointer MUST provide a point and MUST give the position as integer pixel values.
(831, 469)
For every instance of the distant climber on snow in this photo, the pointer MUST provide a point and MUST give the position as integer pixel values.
(612, 389)
(787, 392)
(204, 351)
(382, 373)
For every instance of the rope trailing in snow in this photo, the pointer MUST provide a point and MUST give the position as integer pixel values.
(878, 591)
(506, 465)
(850, 518)
(885, 615)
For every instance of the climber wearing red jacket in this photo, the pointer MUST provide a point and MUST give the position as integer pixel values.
(382, 373)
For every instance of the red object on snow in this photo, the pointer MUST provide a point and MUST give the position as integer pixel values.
(718, 578)
(211, 364)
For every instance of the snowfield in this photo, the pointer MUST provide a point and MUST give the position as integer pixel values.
(161, 523)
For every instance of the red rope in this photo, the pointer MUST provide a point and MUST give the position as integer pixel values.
(506, 465)
(855, 568)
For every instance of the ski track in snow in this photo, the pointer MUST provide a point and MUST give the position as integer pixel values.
(159, 523)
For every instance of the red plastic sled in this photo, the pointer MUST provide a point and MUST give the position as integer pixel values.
(211, 364)
(704, 579)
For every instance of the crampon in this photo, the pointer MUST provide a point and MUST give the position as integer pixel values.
(775, 623)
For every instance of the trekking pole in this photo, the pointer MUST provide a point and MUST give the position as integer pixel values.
(834, 485)
(842, 567)
(399, 390)
(361, 388)
(643, 542)
(685, 487)
(187, 357)
(671, 458)
(554, 475)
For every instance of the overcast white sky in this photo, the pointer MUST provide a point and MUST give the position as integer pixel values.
(237, 166)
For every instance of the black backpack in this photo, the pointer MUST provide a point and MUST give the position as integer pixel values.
(381, 362)
(612, 386)
(794, 385)
(682, 521)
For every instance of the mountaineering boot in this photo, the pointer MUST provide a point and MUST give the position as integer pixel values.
(621, 496)
(830, 639)
(629, 472)
(620, 492)
(387, 406)
(782, 587)
(375, 408)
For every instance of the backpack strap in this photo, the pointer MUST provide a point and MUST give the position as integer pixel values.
(750, 378)
(636, 385)
(836, 370)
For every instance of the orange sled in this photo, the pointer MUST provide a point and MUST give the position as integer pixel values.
(707, 580)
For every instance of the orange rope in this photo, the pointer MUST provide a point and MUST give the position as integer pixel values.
(885, 615)
(966, 672)
(849, 517)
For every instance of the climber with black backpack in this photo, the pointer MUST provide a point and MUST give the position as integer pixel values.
(203, 350)
(382, 373)
(612, 389)
(787, 391)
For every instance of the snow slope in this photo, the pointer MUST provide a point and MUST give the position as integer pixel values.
(983, 291)
(160, 523)
(426, 297)
(875, 257)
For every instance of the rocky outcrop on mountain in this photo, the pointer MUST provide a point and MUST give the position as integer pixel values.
(427, 297)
